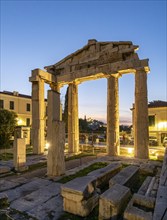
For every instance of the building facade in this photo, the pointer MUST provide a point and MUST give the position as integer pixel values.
(22, 105)
(19, 103)
(157, 111)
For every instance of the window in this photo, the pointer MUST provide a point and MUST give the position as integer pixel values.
(28, 107)
(11, 105)
(1, 104)
(28, 121)
(151, 120)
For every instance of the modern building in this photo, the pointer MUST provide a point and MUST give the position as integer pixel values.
(22, 105)
(19, 103)
(157, 112)
(157, 119)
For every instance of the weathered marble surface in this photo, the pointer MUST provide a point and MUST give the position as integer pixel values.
(113, 201)
(124, 176)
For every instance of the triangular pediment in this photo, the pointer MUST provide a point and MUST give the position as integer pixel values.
(93, 54)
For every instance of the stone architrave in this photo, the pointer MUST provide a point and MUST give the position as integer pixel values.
(38, 122)
(55, 136)
(73, 125)
(141, 115)
(112, 117)
(19, 154)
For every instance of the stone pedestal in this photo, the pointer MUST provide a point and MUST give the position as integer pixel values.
(38, 123)
(113, 201)
(55, 159)
(80, 196)
(141, 115)
(55, 136)
(112, 117)
(19, 154)
(73, 124)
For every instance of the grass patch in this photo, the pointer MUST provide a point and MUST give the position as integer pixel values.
(36, 166)
(83, 172)
(78, 156)
(6, 156)
(138, 182)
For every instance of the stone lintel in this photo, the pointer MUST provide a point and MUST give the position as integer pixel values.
(38, 73)
(103, 71)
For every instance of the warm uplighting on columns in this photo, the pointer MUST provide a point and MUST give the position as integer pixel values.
(113, 144)
(141, 114)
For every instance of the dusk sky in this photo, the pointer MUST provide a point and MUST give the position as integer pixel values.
(35, 34)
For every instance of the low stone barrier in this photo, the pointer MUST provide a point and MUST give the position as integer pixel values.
(113, 201)
(142, 204)
(160, 212)
(103, 175)
(80, 195)
(125, 176)
(140, 208)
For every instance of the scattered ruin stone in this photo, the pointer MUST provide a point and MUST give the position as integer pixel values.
(160, 211)
(140, 207)
(125, 176)
(19, 154)
(147, 168)
(113, 201)
(80, 196)
(103, 175)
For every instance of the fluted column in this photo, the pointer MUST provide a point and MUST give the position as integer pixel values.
(38, 123)
(73, 123)
(113, 145)
(141, 115)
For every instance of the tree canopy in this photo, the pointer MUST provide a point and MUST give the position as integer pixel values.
(8, 121)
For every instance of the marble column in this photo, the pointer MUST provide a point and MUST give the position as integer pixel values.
(113, 145)
(73, 123)
(55, 136)
(141, 115)
(38, 123)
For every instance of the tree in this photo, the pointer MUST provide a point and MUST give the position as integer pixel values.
(8, 121)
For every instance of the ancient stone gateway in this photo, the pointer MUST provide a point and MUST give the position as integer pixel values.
(94, 61)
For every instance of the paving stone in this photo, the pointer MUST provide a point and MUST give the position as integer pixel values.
(20, 180)
(26, 188)
(7, 184)
(4, 169)
(51, 209)
(36, 198)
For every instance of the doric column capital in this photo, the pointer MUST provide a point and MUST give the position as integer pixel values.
(55, 87)
(115, 75)
(140, 69)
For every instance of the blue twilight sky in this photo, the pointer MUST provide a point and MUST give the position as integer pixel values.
(39, 33)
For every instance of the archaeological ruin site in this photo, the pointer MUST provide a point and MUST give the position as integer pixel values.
(120, 187)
